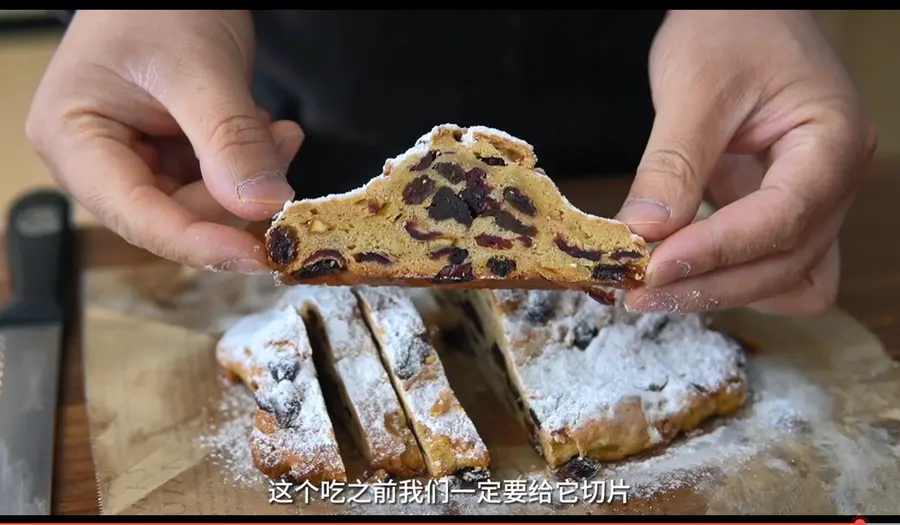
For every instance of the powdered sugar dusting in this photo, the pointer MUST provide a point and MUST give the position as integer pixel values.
(661, 360)
(227, 436)
(429, 399)
(271, 347)
(358, 364)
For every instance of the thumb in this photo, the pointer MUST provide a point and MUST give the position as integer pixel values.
(238, 158)
(687, 139)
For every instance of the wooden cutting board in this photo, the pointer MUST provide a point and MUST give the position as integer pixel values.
(821, 434)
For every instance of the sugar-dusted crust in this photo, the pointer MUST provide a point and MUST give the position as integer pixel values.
(594, 380)
(449, 440)
(463, 207)
(349, 355)
(293, 436)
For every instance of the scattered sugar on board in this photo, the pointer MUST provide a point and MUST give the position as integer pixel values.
(226, 435)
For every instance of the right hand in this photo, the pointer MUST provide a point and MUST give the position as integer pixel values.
(146, 118)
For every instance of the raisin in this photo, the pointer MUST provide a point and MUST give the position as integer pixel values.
(625, 254)
(526, 241)
(285, 406)
(574, 251)
(584, 333)
(447, 205)
(578, 468)
(450, 171)
(284, 370)
(478, 200)
(365, 257)
(610, 273)
(453, 254)
(408, 361)
(413, 230)
(602, 296)
(424, 162)
(282, 245)
(454, 273)
(477, 177)
(322, 262)
(493, 161)
(540, 305)
(700, 388)
(508, 221)
(654, 387)
(519, 200)
(493, 241)
(374, 206)
(473, 475)
(418, 190)
(501, 266)
(657, 324)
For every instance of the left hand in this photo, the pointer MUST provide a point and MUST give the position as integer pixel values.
(755, 108)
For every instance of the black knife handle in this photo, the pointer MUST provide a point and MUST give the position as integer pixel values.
(39, 250)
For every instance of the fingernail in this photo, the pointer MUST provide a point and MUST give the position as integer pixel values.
(638, 210)
(242, 266)
(652, 302)
(667, 272)
(268, 187)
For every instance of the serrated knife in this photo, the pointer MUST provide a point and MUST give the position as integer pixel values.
(40, 251)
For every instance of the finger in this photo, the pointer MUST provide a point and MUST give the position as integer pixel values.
(802, 185)
(130, 204)
(688, 137)
(288, 137)
(735, 177)
(814, 295)
(741, 285)
(196, 199)
(237, 155)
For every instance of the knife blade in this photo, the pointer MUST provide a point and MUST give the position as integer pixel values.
(40, 251)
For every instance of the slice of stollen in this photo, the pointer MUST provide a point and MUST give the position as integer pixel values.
(348, 354)
(464, 207)
(448, 438)
(293, 436)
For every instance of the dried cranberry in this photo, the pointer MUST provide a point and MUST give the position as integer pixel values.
(450, 171)
(501, 266)
(448, 205)
(282, 245)
(493, 241)
(578, 468)
(455, 273)
(376, 257)
(424, 162)
(602, 296)
(420, 235)
(453, 254)
(610, 273)
(540, 305)
(478, 200)
(507, 221)
(322, 262)
(519, 200)
(526, 241)
(625, 254)
(583, 333)
(574, 251)
(418, 190)
(493, 161)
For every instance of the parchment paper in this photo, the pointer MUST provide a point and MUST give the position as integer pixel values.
(821, 434)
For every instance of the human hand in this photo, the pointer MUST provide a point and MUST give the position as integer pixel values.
(756, 109)
(146, 119)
